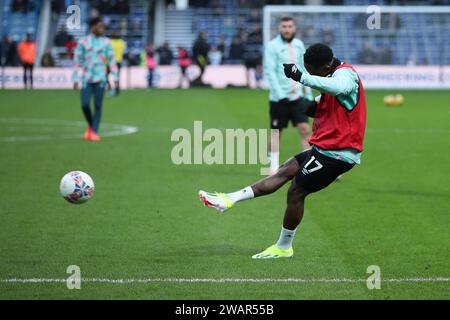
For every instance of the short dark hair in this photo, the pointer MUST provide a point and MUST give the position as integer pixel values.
(318, 55)
(94, 21)
(286, 18)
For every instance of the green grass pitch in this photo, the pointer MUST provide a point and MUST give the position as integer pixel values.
(145, 221)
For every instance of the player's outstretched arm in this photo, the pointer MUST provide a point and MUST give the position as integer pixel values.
(340, 83)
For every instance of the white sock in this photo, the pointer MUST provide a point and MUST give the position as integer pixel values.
(244, 194)
(274, 158)
(286, 238)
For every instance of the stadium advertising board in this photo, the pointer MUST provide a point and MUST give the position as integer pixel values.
(373, 76)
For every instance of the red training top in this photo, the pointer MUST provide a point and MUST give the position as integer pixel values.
(335, 127)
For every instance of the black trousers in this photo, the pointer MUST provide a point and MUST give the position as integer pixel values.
(28, 71)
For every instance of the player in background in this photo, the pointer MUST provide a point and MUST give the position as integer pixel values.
(287, 97)
(337, 142)
(184, 61)
(119, 46)
(91, 55)
(27, 55)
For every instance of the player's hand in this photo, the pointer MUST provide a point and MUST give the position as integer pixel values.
(291, 71)
(75, 86)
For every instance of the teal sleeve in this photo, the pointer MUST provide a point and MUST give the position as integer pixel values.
(270, 72)
(78, 60)
(112, 62)
(302, 52)
(341, 83)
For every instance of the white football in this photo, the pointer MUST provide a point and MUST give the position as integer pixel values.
(77, 187)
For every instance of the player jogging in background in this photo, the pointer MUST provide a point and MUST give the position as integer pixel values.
(287, 97)
(119, 46)
(337, 142)
(91, 55)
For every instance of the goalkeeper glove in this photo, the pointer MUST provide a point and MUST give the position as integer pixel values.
(310, 107)
(291, 71)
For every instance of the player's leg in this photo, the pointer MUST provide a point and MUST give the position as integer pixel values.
(278, 121)
(304, 132)
(85, 95)
(316, 172)
(294, 206)
(119, 66)
(31, 75)
(300, 121)
(182, 75)
(99, 89)
(268, 185)
(150, 78)
(274, 150)
(25, 78)
(272, 183)
(292, 217)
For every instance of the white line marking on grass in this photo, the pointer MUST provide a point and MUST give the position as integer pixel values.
(108, 129)
(223, 280)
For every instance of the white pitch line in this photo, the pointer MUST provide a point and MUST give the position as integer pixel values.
(223, 280)
(110, 130)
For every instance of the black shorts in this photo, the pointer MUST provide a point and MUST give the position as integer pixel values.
(252, 63)
(317, 171)
(281, 113)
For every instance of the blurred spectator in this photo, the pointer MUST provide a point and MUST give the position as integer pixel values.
(165, 54)
(252, 51)
(94, 13)
(123, 25)
(385, 56)
(198, 3)
(58, 6)
(215, 56)
(134, 57)
(105, 7)
(394, 21)
(11, 57)
(200, 52)
(47, 59)
(3, 47)
(19, 6)
(61, 37)
(221, 45)
(122, 7)
(151, 63)
(328, 36)
(367, 55)
(412, 60)
(31, 5)
(241, 34)
(22, 6)
(27, 54)
(183, 61)
(254, 17)
(2, 54)
(360, 21)
(236, 50)
(70, 45)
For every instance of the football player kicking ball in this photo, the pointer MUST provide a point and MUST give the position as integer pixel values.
(337, 142)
